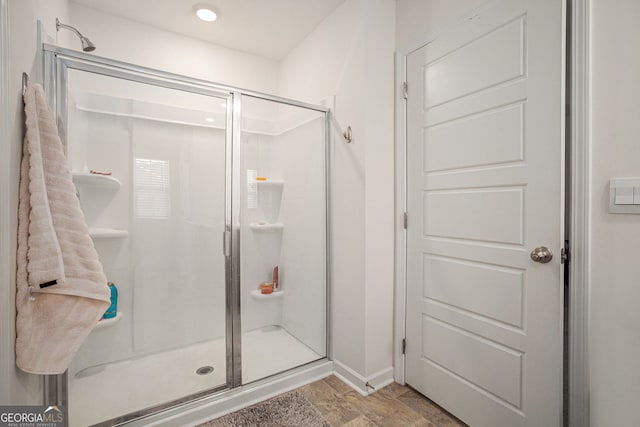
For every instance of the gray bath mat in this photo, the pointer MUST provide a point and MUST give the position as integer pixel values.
(289, 409)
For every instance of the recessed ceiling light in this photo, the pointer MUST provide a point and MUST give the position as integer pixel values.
(210, 119)
(206, 13)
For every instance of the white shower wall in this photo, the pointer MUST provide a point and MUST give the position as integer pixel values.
(303, 252)
(179, 279)
(290, 150)
(169, 270)
(109, 143)
(260, 249)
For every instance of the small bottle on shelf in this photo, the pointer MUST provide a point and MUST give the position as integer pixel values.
(112, 311)
(266, 288)
(276, 280)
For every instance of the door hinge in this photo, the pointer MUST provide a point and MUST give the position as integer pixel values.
(565, 253)
(404, 345)
(405, 90)
(405, 220)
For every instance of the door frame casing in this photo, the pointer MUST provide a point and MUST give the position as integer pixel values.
(579, 205)
(580, 212)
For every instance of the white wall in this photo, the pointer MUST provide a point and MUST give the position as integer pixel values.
(338, 43)
(379, 185)
(23, 55)
(140, 44)
(419, 20)
(350, 55)
(615, 239)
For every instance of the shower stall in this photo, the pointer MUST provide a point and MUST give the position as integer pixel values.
(208, 207)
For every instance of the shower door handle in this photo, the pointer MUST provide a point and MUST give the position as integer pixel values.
(226, 243)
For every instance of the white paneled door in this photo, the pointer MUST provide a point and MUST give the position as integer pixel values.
(485, 187)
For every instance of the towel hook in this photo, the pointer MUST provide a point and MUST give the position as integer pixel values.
(25, 83)
(347, 135)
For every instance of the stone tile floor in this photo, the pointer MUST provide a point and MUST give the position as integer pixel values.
(392, 406)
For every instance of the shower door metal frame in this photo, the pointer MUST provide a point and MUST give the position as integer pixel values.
(57, 65)
(56, 62)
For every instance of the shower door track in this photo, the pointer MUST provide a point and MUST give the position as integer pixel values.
(56, 62)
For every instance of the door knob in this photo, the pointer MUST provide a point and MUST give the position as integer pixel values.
(542, 255)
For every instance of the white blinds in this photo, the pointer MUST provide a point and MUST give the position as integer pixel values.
(151, 186)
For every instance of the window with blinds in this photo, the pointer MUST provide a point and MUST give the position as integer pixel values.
(151, 183)
(252, 189)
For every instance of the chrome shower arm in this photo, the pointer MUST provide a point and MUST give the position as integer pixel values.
(68, 27)
(87, 45)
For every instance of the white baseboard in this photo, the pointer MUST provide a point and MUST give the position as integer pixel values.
(358, 382)
(381, 378)
(350, 377)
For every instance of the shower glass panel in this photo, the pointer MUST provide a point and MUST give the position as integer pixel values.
(150, 167)
(283, 228)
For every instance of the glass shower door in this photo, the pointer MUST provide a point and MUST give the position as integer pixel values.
(150, 166)
(283, 229)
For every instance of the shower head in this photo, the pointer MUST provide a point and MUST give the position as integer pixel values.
(87, 46)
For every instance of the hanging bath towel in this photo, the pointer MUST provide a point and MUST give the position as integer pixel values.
(61, 289)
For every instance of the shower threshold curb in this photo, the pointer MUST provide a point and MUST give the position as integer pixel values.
(198, 412)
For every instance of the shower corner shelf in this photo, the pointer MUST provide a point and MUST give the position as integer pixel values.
(275, 295)
(105, 323)
(107, 233)
(274, 183)
(95, 180)
(276, 226)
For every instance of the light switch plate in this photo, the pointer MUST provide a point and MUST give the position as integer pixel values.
(624, 195)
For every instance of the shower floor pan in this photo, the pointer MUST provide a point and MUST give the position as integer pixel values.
(112, 390)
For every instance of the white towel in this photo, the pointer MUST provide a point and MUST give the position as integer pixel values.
(57, 263)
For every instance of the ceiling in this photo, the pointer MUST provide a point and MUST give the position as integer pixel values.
(269, 28)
